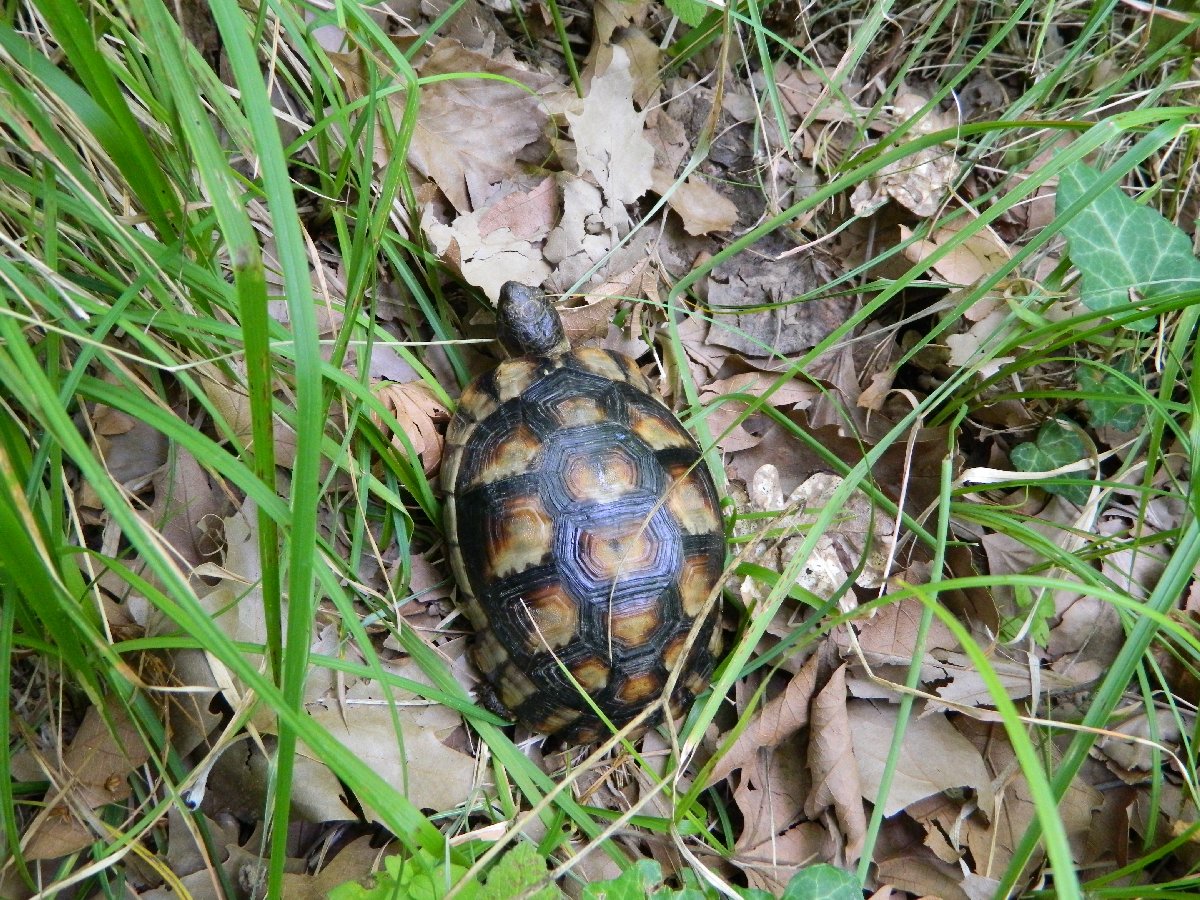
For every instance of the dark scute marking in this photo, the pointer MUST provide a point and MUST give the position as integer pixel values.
(710, 544)
(630, 515)
(508, 615)
(616, 402)
(622, 362)
(681, 458)
(476, 509)
(565, 444)
(486, 384)
(565, 381)
(487, 434)
(557, 691)
(652, 408)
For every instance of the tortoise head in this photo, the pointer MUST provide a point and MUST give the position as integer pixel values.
(528, 324)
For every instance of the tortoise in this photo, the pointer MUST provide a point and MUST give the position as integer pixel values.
(584, 532)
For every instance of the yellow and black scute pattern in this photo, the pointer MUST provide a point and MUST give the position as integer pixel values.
(586, 537)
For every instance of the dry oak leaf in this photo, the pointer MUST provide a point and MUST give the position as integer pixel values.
(471, 131)
(770, 794)
(609, 143)
(1012, 811)
(934, 757)
(790, 394)
(582, 236)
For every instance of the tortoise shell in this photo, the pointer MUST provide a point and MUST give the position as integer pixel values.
(584, 532)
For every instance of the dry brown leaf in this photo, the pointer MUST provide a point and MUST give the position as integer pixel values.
(834, 770)
(753, 280)
(352, 862)
(1086, 639)
(934, 756)
(704, 359)
(902, 860)
(235, 602)
(965, 347)
(792, 394)
(977, 257)
(96, 767)
(129, 449)
(667, 136)
(1132, 760)
(420, 413)
(770, 865)
(889, 638)
(471, 132)
(417, 762)
(779, 718)
(801, 90)
(858, 541)
(527, 214)
(991, 842)
(771, 791)
(698, 204)
(609, 143)
(919, 182)
(644, 56)
(187, 508)
(484, 246)
(581, 236)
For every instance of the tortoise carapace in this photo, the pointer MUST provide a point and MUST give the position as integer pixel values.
(584, 532)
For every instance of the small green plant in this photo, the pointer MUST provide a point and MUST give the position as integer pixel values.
(1056, 446)
(1036, 613)
(690, 12)
(517, 874)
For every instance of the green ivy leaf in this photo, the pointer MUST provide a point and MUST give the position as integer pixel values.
(823, 882)
(1056, 446)
(1123, 250)
(635, 883)
(1117, 412)
(517, 872)
(690, 12)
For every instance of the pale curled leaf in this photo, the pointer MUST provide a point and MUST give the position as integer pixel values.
(608, 134)
(698, 204)
(471, 131)
(420, 414)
